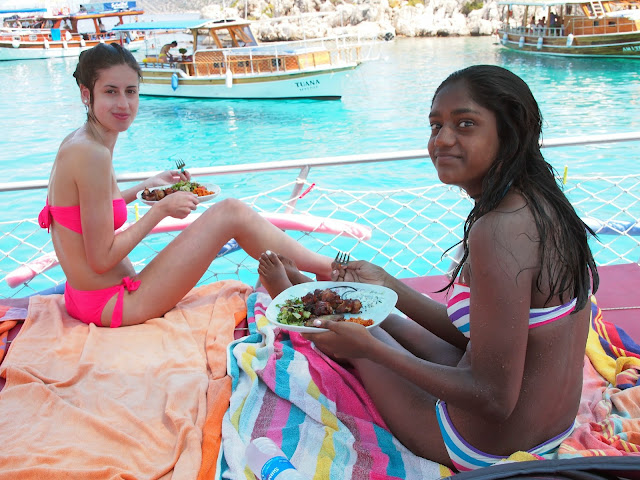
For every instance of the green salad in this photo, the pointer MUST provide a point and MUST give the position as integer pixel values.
(185, 186)
(293, 312)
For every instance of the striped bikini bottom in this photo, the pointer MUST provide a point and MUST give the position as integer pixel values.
(465, 457)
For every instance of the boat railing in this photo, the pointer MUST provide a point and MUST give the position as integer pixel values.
(406, 230)
(536, 31)
(285, 57)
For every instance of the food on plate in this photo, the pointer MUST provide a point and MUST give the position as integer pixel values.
(367, 322)
(320, 304)
(159, 193)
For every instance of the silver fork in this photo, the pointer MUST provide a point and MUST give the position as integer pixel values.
(342, 258)
(180, 165)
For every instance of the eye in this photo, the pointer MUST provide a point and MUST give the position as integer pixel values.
(465, 123)
(435, 126)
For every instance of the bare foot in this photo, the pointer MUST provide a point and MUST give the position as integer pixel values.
(273, 275)
(295, 275)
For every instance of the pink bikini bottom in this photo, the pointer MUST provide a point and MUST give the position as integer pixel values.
(87, 305)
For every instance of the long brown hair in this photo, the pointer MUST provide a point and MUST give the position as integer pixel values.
(565, 253)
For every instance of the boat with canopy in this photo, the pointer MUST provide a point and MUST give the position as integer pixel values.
(60, 33)
(577, 28)
(223, 59)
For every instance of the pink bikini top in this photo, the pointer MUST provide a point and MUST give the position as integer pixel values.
(69, 217)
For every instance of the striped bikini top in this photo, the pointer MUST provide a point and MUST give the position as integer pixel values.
(458, 310)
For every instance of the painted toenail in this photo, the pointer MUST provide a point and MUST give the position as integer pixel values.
(268, 252)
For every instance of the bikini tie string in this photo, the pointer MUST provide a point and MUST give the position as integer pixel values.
(44, 218)
(130, 285)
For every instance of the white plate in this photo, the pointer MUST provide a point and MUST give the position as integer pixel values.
(377, 302)
(205, 198)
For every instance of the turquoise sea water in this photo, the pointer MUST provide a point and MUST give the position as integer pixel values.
(384, 108)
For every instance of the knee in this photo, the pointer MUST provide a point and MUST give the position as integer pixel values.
(232, 209)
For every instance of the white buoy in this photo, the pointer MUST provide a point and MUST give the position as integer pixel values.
(540, 43)
(229, 80)
(570, 40)
(521, 42)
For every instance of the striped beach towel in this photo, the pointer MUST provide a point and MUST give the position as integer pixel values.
(608, 421)
(314, 409)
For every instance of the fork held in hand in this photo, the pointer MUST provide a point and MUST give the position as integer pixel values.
(342, 258)
(180, 165)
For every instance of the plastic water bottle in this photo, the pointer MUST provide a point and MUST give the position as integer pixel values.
(267, 462)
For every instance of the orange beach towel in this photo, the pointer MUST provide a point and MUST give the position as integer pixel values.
(96, 403)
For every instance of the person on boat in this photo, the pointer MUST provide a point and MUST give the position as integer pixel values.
(164, 51)
(85, 207)
(498, 369)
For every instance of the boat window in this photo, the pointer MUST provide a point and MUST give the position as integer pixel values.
(250, 40)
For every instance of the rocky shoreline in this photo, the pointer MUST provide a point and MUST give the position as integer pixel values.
(298, 19)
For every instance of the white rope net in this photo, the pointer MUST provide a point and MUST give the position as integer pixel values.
(412, 230)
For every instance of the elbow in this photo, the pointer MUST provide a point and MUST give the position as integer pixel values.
(99, 265)
(498, 407)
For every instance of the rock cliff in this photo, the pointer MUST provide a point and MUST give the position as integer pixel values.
(297, 19)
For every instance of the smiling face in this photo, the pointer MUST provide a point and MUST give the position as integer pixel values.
(115, 100)
(464, 138)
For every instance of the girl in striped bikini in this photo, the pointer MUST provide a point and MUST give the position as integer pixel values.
(498, 369)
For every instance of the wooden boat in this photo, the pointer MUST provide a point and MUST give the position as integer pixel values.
(572, 27)
(62, 34)
(226, 61)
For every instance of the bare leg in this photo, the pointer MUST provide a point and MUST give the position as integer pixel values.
(178, 267)
(273, 275)
(420, 341)
(408, 411)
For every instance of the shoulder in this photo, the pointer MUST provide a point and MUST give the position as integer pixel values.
(507, 236)
(512, 218)
(78, 148)
(83, 159)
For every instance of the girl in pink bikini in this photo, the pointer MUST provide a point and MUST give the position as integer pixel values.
(499, 368)
(85, 206)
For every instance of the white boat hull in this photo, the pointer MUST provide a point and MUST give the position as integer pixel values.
(27, 51)
(325, 84)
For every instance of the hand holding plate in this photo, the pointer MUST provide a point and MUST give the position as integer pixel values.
(178, 204)
(344, 340)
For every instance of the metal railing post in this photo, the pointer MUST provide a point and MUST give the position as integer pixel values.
(297, 189)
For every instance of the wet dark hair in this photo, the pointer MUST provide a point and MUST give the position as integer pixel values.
(564, 249)
(101, 57)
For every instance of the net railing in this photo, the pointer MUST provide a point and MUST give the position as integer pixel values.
(413, 231)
